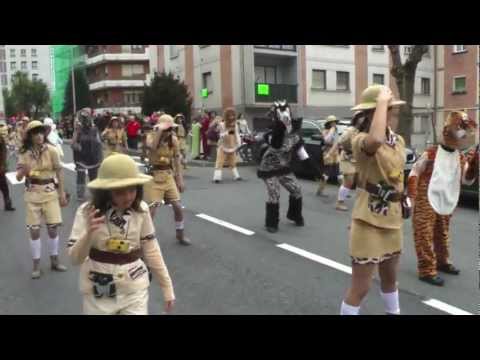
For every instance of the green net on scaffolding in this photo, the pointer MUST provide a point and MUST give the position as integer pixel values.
(64, 57)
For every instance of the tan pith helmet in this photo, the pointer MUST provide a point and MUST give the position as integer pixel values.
(369, 97)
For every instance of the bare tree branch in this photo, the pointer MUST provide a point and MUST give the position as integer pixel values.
(396, 60)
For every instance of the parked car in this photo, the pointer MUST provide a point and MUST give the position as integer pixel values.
(470, 191)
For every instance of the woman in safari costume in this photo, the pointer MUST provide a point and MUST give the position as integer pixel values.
(115, 138)
(181, 133)
(376, 236)
(167, 184)
(39, 164)
(113, 239)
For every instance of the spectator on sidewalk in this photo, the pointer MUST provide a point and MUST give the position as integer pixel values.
(133, 130)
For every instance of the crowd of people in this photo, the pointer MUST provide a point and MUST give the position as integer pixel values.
(113, 235)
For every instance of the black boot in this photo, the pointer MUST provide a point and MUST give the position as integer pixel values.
(295, 211)
(272, 217)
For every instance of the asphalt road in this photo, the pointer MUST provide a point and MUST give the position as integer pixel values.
(245, 270)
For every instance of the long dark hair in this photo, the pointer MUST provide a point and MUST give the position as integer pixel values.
(28, 141)
(102, 199)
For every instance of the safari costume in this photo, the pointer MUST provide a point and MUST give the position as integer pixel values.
(114, 277)
(41, 195)
(165, 170)
(181, 133)
(228, 144)
(377, 218)
(3, 179)
(434, 183)
(115, 139)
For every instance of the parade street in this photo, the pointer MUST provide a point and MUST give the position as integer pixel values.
(235, 266)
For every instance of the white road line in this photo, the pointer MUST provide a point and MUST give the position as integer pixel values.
(440, 305)
(69, 166)
(225, 224)
(317, 258)
(12, 177)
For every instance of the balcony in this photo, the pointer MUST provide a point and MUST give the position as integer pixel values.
(277, 92)
(121, 57)
(277, 47)
(105, 84)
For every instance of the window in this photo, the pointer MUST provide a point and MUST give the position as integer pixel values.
(34, 76)
(203, 46)
(425, 86)
(379, 79)
(13, 66)
(4, 80)
(266, 74)
(137, 48)
(132, 97)
(459, 49)
(379, 48)
(459, 84)
(12, 53)
(33, 52)
(207, 82)
(34, 65)
(421, 124)
(343, 81)
(23, 53)
(173, 51)
(407, 49)
(129, 70)
(24, 65)
(3, 67)
(319, 79)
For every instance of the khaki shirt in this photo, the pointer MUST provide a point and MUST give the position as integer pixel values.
(43, 165)
(164, 155)
(345, 141)
(114, 139)
(229, 142)
(386, 165)
(137, 228)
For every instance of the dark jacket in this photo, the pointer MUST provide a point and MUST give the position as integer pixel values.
(87, 147)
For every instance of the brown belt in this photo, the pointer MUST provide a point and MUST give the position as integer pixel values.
(161, 167)
(113, 258)
(394, 196)
(37, 181)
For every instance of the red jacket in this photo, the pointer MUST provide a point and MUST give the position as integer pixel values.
(132, 128)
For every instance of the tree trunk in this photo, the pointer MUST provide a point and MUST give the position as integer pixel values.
(406, 87)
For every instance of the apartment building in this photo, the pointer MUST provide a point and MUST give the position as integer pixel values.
(117, 75)
(35, 60)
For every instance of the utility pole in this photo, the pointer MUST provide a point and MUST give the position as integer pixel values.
(73, 82)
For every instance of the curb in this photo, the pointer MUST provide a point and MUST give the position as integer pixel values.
(210, 164)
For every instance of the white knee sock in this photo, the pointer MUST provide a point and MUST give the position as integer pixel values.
(36, 246)
(217, 175)
(342, 193)
(391, 303)
(53, 246)
(236, 175)
(349, 309)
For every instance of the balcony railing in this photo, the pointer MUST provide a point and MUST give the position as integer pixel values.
(277, 92)
(277, 47)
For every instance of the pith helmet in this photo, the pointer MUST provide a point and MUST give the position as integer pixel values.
(35, 124)
(331, 118)
(369, 97)
(165, 122)
(118, 171)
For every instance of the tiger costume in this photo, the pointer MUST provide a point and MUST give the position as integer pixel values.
(434, 185)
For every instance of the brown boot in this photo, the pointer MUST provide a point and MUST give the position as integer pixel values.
(56, 266)
(182, 239)
(321, 187)
(341, 206)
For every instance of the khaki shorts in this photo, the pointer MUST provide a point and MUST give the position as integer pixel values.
(49, 210)
(347, 168)
(163, 187)
(135, 303)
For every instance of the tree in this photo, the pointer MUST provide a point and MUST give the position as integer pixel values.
(27, 96)
(82, 92)
(168, 94)
(404, 74)
(8, 103)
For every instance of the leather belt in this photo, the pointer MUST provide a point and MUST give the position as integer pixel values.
(161, 167)
(393, 196)
(37, 181)
(113, 258)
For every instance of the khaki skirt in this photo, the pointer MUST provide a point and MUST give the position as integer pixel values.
(373, 245)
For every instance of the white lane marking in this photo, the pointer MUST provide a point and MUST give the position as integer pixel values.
(440, 305)
(12, 177)
(225, 224)
(69, 166)
(316, 258)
